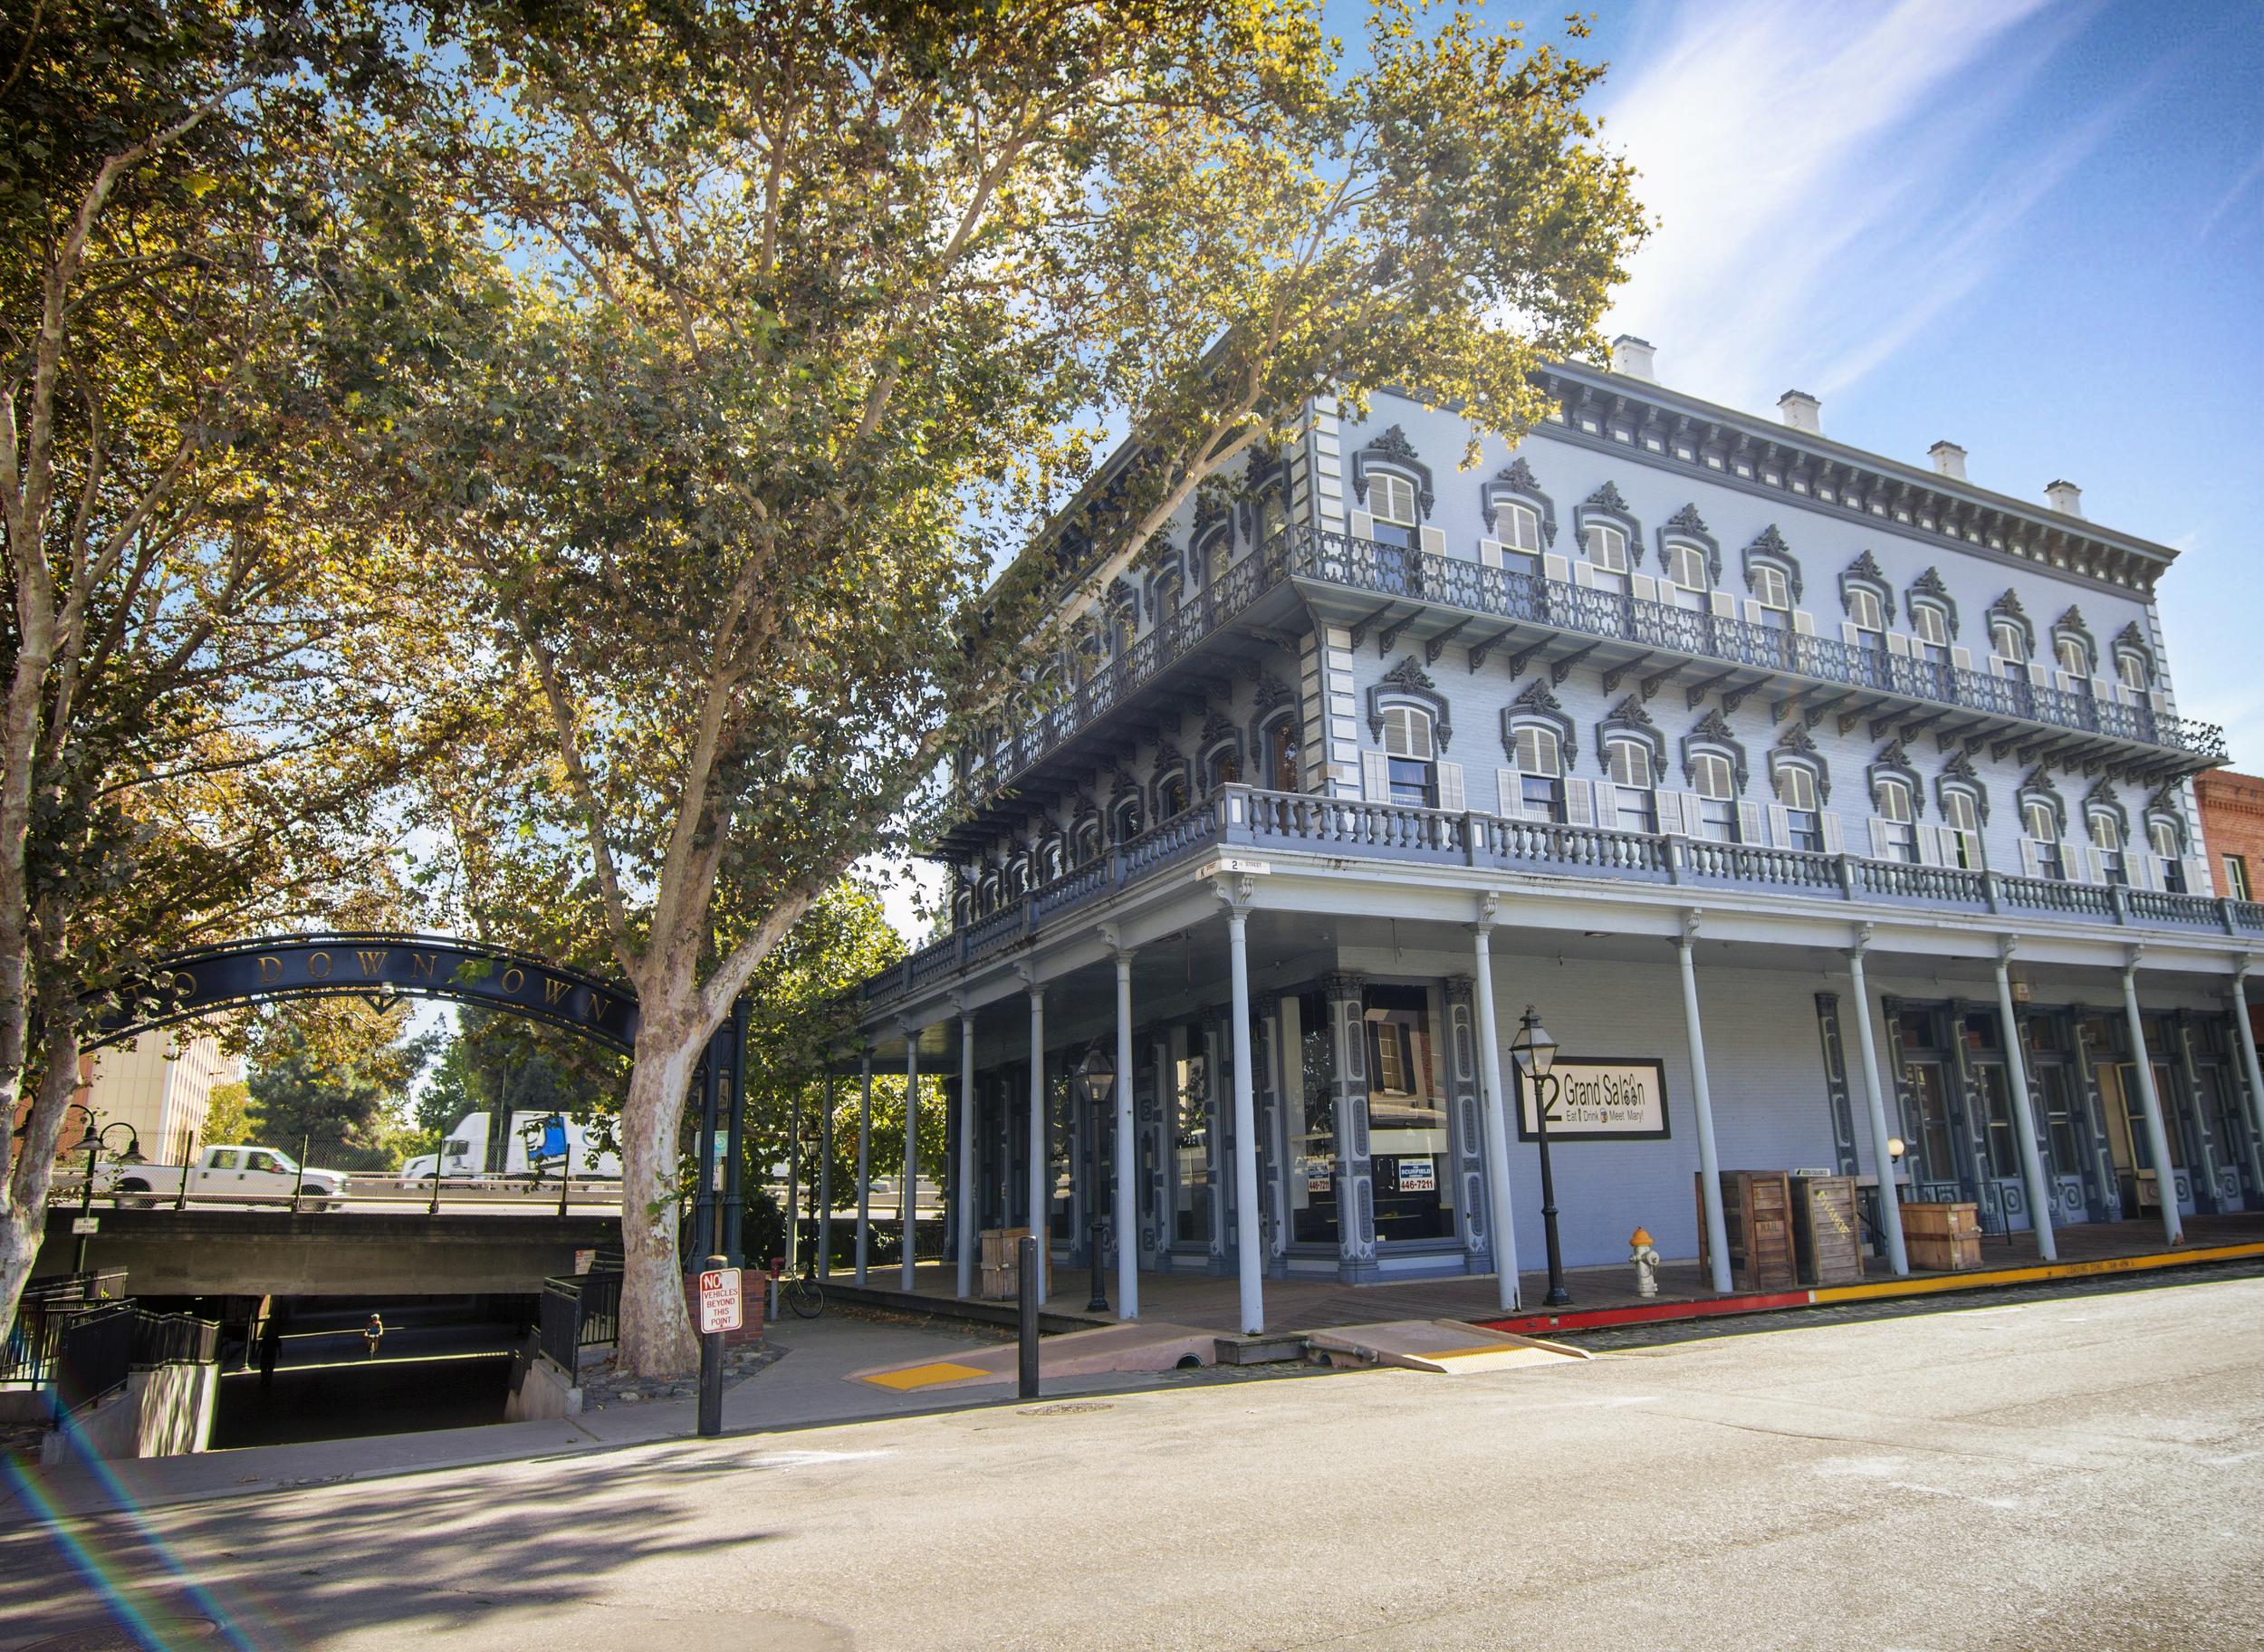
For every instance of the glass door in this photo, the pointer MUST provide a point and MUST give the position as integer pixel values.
(2001, 1144)
(2121, 1101)
(1310, 1121)
(1936, 1175)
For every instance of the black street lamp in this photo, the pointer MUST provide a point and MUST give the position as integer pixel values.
(1100, 1084)
(127, 1155)
(1534, 1051)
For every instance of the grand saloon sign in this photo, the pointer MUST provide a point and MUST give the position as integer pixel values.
(1598, 1099)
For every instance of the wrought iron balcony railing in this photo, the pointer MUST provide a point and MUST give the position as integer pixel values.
(1289, 822)
(1519, 598)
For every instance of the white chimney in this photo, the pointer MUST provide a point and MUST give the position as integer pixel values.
(1949, 460)
(1633, 357)
(1802, 411)
(2065, 497)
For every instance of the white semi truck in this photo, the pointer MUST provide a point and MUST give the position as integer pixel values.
(535, 1144)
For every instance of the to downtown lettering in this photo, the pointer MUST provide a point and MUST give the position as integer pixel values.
(372, 963)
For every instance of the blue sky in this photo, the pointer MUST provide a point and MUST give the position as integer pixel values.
(2033, 228)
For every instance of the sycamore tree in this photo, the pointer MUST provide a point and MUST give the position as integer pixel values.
(201, 660)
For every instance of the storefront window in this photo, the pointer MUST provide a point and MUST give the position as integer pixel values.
(1406, 1117)
(2059, 1118)
(1191, 1149)
(1309, 1127)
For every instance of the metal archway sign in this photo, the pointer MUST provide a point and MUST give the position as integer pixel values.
(383, 966)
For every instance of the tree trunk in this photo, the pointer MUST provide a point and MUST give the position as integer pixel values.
(24, 1211)
(655, 1334)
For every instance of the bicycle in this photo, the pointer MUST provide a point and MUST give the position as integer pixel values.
(802, 1293)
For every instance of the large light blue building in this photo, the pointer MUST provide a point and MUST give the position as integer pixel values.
(1818, 801)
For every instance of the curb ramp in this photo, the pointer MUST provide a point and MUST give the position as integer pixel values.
(1449, 1347)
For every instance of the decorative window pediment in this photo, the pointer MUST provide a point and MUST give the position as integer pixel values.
(1629, 720)
(1408, 683)
(1686, 527)
(1266, 474)
(1959, 775)
(1797, 746)
(1394, 452)
(1865, 572)
(1606, 506)
(2101, 800)
(2036, 787)
(2007, 610)
(1769, 550)
(1928, 587)
(1538, 705)
(1515, 481)
(1712, 732)
(1893, 764)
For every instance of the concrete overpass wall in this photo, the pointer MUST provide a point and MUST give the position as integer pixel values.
(275, 1252)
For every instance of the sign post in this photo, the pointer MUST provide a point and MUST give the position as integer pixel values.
(720, 1311)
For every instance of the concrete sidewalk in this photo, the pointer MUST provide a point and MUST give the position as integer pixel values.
(807, 1387)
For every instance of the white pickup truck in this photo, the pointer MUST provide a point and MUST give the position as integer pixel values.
(254, 1175)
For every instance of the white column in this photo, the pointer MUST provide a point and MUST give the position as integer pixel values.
(1249, 1244)
(963, 1190)
(2157, 1133)
(1039, 1169)
(2023, 1114)
(1128, 1211)
(1495, 1106)
(1709, 1162)
(864, 1170)
(1875, 1102)
(2246, 1033)
(908, 1203)
(825, 1183)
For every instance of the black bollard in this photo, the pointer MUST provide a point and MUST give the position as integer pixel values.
(1026, 1266)
(712, 1371)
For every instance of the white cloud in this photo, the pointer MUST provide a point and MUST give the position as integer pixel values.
(1813, 172)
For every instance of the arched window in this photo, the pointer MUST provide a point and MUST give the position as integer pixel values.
(2166, 838)
(1391, 501)
(1127, 820)
(1520, 518)
(1772, 595)
(1410, 757)
(1017, 878)
(2133, 662)
(2041, 814)
(1606, 544)
(1214, 552)
(986, 894)
(1282, 754)
(1124, 627)
(1273, 516)
(1518, 526)
(1171, 794)
(1537, 754)
(1869, 602)
(2072, 652)
(1223, 766)
(1683, 567)
(1929, 624)
(1892, 799)
(1051, 860)
(1797, 793)
(1634, 800)
(1960, 826)
(2106, 843)
(1713, 779)
(1165, 590)
(2008, 642)
(961, 906)
(1086, 845)
(2074, 655)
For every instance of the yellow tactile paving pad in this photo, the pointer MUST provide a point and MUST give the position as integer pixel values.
(923, 1376)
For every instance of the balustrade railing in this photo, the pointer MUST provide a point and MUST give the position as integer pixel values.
(1241, 816)
(1525, 597)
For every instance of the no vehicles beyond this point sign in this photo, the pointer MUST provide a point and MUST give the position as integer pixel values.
(720, 1308)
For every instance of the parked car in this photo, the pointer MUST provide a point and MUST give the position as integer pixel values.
(241, 1170)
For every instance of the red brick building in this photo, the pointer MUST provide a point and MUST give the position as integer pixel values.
(2233, 829)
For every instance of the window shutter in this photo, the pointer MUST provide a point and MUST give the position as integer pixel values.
(1435, 541)
(2159, 701)
(1835, 838)
(1930, 850)
(1779, 826)
(1849, 635)
(1755, 614)
(1722, 603)
(1882, 848)
(1375, 777)
(1451, 787)
(1962, 658)
(1489, 553)
(2031, 863)
(1896, 643)
(1803, 622)
(2105, 688)
(2197, 878)
(2039, 674)
(1644, 586)
(1748, 822)
(1508, 794)
(1674, 814)
(1360, 524)
(2140, 862)
(2002, 667)
(2082, 864)
(1580, 802)
(1554, 567)
(1584, 576)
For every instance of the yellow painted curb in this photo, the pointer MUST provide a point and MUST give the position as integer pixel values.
(925, 1376)
(2043, 1271)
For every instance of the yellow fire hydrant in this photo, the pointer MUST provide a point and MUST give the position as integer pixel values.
(1646, 1260)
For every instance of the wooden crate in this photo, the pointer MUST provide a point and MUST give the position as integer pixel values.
(998, 1245)
(1941, 1222)
(1951, 1255)
(1757, 1213)
(1827, 1230)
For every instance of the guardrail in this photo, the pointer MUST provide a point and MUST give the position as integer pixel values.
(1517, 597)
(578, 1310)
(28, 1353)
(1344, 827)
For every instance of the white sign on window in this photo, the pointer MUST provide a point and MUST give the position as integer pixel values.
(1418, 1175)
(1598, 1099)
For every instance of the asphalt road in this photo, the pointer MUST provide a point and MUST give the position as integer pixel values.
(2072, 1470)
